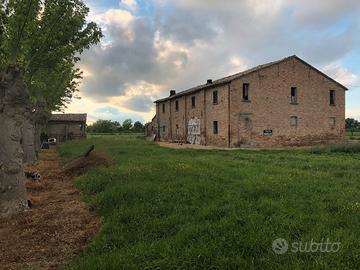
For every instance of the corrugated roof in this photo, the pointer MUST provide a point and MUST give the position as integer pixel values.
(69, 117)
(228, 79)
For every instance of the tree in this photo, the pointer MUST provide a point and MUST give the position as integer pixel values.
(127, 124)
(103, 126)
(138, 127)
(40, 44)
(352, 123)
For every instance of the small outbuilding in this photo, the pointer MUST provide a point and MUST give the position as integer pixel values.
(68, 126)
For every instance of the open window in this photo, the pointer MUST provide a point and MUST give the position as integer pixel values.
(246, 89)
(177, 105)
(294, 98)
(215, 127)
(163, 108)
(332, 97)
(193, 102)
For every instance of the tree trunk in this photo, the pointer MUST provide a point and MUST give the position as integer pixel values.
(38, 129)
(14, 102)
(28, 141)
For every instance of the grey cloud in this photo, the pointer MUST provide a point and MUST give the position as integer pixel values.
(322, 13)
(139, 104)
(224, 31)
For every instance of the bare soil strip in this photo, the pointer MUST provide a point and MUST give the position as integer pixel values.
(56, 227)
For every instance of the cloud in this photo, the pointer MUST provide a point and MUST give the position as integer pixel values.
(132, 5)
(182, 43)
(321, 13)
(342, 75)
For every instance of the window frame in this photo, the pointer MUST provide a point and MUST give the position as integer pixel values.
(246, 92)
(215, 127)
(294, 117)
(332, 121)
(193, 102)
(215, 94)
(332, 97)
(294, 98)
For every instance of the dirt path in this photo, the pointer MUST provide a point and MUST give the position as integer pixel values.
(56, 228)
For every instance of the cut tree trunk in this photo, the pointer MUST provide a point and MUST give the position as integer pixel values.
(14, 103)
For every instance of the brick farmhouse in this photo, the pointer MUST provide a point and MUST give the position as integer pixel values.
(282, 103)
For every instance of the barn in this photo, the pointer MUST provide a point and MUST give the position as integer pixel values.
(65, 127)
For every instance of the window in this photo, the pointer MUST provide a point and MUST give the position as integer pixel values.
(215, 97)
(332, 121)
(293, 95)
(246, 88)
(332, 97)
(193, 101)
(215, 126)
(163, 108)
(293, 121)
(176, 105)
(163, 128)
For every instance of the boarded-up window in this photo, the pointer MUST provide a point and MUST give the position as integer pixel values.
(293, 95)
(215, 127)
(332, 97)
(193, 101)
(215, 97)
(332, 121)
(293, 121)
(176, 105)
(246, 89)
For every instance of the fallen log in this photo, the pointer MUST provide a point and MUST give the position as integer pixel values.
(87, 153)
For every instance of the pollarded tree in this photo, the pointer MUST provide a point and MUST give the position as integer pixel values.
(40, 44)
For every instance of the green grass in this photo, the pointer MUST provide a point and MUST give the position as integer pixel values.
(196, 209)
(355, 135)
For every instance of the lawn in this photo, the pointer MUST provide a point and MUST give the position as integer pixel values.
(197, 209)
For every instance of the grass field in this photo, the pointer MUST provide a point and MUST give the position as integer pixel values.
(355, 135)
(198, 209)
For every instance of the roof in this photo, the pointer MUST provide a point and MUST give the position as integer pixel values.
(229, 79)
(69, 117)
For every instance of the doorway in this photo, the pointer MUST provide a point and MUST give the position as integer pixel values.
(245, 129)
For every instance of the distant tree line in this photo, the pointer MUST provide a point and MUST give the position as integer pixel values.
(352, 124)
(108, 126)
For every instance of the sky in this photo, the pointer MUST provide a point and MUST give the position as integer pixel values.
(152, 46)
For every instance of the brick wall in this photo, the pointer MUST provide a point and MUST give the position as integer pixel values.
(269, 108)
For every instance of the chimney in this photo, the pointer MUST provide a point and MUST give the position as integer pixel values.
(209, 81)
(172, 93)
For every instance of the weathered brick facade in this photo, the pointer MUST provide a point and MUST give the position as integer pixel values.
(288, 105)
